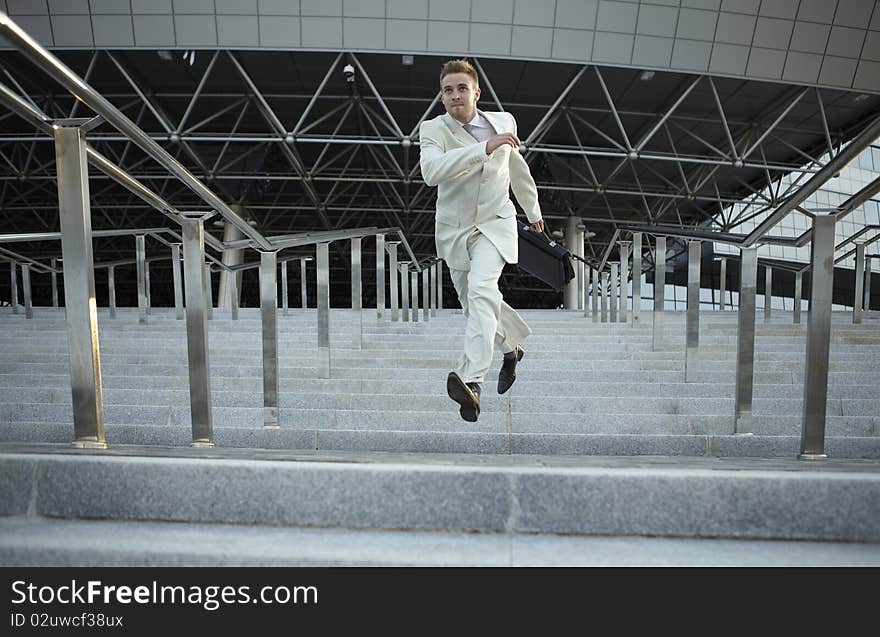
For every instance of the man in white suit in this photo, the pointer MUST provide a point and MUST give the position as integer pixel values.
(473, 158)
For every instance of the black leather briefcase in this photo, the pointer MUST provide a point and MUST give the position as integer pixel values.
(543, 258)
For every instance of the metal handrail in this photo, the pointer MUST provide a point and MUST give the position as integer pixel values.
(81, 91)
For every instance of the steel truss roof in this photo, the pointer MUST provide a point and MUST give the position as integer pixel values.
(299, 147)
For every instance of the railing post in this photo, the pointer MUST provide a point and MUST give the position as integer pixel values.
(269, 320)
(13, 287)
(588, 275)
(193, 232)
(859, 291)
(798, 293)
(596, 291)
(356, 300)
(209, 288)
(54, 283)
(692, 344)
(26, 287)
(404, 290)
(637, 278)
(303, 288)
(380, 277)
(356, 290)
(111, 289)
(414, 293)
(624, 280)
(604, 297)
(426, 294)
(140, 255)
(612, 291)
(659, 291)
(323, 307)
(79, 287)
(284, 300)
(391, 246)
(722, 285)
(147, 286)
(745, 340)
(818, 338)
(768, 293)
(178, 288)
(439, 284)
(232, 281)
(579, 270)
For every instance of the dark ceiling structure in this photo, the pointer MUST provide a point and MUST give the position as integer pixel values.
(300, 145)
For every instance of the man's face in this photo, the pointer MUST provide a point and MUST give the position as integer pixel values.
(459, 96)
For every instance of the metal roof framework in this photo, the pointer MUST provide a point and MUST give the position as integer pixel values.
(303, 146)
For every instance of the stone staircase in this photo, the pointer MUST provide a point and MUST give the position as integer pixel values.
(600, 436)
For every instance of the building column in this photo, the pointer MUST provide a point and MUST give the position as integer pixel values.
(231, 256)
(768, 293)
(722, 286)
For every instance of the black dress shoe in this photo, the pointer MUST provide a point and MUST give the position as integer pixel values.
(465, 394)
(508, 369)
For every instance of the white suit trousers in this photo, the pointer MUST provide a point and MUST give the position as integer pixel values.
(488, 316)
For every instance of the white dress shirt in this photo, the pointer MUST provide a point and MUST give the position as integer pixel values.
(479, 128)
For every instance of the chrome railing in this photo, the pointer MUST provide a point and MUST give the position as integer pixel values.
(73, 153)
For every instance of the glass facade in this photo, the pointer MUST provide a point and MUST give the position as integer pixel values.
(864, 169)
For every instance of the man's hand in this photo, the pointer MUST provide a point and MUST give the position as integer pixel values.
(538, 226)
(498, 141)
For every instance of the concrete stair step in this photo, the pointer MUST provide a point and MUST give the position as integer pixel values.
(65, 543)
(844, 440)
(755, 498)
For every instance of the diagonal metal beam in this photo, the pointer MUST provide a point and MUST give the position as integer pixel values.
(552, 110)
(641, 144)
(610, 101)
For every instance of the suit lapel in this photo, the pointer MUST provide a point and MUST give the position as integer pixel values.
(457, 132)
(498, 121)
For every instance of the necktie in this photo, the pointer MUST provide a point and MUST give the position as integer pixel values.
(470, 129)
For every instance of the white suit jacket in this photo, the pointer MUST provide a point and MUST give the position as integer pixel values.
(473, 188)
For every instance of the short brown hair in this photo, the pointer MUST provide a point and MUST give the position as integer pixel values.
(459, 66)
